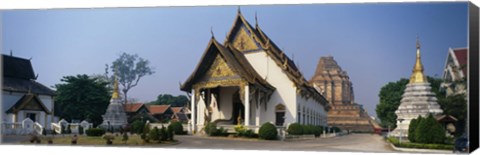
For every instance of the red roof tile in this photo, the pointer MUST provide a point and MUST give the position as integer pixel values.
(132, 107)
(158, 109)
(461, 55)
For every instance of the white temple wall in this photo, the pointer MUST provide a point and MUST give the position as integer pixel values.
(9, 99)
(315, 112)
(285, 92)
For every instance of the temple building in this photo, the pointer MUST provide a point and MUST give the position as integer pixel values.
(248, 80)
(417, 99)
(334, 83)
(455, 71)
(115, 116)
(23, 97)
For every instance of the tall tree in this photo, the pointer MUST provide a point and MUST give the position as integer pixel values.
(130, 69)
(82, 97)
(390, 96)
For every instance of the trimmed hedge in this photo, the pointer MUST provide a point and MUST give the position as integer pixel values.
(268, 131)
(95, 132)
(397, 143)
(295, 129)
(177, 128)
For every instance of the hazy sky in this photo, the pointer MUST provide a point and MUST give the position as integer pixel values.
(374, 43)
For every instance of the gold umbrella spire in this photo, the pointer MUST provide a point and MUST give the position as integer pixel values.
(115, 85)
(417, 73)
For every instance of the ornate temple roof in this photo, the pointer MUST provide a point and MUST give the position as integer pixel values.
(263, 42)
(233, 58)
(18, 76)
(28, 102)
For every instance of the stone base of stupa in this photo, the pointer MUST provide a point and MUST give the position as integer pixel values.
(115, 117)
(417, 100)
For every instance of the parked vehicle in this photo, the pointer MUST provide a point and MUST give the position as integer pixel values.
(461, 145)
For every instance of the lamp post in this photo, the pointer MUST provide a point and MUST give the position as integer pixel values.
(401, 131)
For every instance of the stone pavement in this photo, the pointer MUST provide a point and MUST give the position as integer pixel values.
(347, 143)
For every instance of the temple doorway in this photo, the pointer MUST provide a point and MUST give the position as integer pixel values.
(279, 115)
(238, 108)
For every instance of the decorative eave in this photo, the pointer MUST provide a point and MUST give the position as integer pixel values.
(234, 59)
(22, 102)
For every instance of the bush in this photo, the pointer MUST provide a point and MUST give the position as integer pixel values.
(163, 134)
(108, 138)
(154, 134)
(317, 131)
(211, 129)
(295, 129)
(411, 128)
(396, 142)
(429, 131)
(240, 130)
(171, 132)
(222, 132)
(80, 130)
(137, 127)
(268, 131)
(95, 132)
(336, 129)
(146, 130)
(177, 128)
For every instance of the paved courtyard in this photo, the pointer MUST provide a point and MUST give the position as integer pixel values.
(347, 143)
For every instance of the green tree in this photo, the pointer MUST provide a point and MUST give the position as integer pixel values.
(390, 96)
(167, 99)
(129, 70)
(429, 131)
(456, 106)
(411, 128)
(82, 97)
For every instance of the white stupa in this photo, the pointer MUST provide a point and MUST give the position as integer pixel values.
(115, 116)
(417, 99)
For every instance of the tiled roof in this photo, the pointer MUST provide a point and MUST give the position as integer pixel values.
(15, 67)
(461, 55)
(158, 109)
(132, 107)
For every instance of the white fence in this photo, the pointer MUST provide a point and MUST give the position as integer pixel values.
(27, 126)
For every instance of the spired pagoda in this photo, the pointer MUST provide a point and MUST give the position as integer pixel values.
(115, 116)
(334, 83)
(417, 99)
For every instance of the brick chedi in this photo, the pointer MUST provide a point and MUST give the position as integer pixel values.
(334, 83)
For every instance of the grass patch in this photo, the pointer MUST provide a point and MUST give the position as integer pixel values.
(133, 140)
(397, 143)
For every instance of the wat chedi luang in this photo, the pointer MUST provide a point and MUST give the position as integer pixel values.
(417, 99)
(334, 83)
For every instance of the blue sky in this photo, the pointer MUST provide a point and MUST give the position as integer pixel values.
(374, 43)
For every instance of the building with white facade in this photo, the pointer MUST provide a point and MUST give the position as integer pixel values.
(23, 97)
(248, 80)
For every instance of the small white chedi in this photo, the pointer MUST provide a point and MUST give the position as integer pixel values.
(115, 116)
(417, 100)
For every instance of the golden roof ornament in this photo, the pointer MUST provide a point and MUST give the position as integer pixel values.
(417, 73)
(115, 94)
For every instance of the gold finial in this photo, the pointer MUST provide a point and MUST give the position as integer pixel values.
(115, 85)
(417, 73)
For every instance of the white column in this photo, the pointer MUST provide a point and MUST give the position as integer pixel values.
(257, 112)
(193, 114)
(247, 106)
